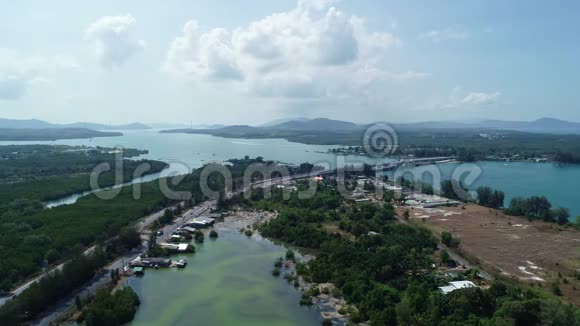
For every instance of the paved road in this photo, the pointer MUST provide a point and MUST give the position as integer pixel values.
(140, 225)
(186, 217)
(104, 276)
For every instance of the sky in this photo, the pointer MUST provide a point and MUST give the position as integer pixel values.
(252, 61)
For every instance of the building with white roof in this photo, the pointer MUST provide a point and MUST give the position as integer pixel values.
(456, 286)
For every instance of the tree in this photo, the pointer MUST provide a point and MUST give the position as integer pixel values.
(78, 303)
(484, 195)
(538, 206)
(129, 238)
(112, 308)
(497, 199)
(198, 236)
(453, 189)
(448, 239)
(444, 256)
(518, 207)
(167, 217)
(561, 215)
(490, 198)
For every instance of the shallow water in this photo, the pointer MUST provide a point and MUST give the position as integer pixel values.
(227, 281)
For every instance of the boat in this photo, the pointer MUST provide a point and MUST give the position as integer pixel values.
(181, 263)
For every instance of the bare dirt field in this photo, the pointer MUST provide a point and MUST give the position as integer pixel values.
(533, 252)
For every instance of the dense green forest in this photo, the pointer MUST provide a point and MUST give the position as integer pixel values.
(33, 162)
(388, 275)
(50, 289)
(31, 236)
(52, 235)
(51, 188)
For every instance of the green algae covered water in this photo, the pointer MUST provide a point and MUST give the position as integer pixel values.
(228, 281)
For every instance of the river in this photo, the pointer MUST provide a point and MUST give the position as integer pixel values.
(186, 151)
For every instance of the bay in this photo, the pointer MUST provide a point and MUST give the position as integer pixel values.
(187, 151)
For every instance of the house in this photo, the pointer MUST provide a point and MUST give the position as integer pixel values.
(456, 286)
(183, 247)
(189, 229)
(138, 270)
(201, 222)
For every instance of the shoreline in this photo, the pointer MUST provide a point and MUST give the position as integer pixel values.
(327, 304)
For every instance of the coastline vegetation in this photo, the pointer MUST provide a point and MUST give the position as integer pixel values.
(45, 237)
(466, 144)
(112, 308)
(387, 274)
(44, 172)
(33, 238)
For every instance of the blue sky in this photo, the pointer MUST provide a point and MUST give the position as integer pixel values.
(255, 60)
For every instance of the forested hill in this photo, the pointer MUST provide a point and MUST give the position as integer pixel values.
(39, 124)
(7, 134)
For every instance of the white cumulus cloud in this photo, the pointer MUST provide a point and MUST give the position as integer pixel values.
(310, 51)
(480, 98)
(206, 56)
(460, 98)
(113, 39)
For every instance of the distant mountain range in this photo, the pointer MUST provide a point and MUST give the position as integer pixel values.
(543, 125)
(39, 124)
(314, 130)
(50, 134)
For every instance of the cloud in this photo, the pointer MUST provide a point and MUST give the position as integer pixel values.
(479, 98)
(113, 40)
(203, 56)
(462, 99)
(313, 50)
(448, 34)
(19, 73)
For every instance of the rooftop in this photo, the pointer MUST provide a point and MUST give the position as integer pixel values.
(456, 286)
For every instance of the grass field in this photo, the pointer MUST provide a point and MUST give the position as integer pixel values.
(532, 252)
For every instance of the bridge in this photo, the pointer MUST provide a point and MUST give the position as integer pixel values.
(413, 162)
